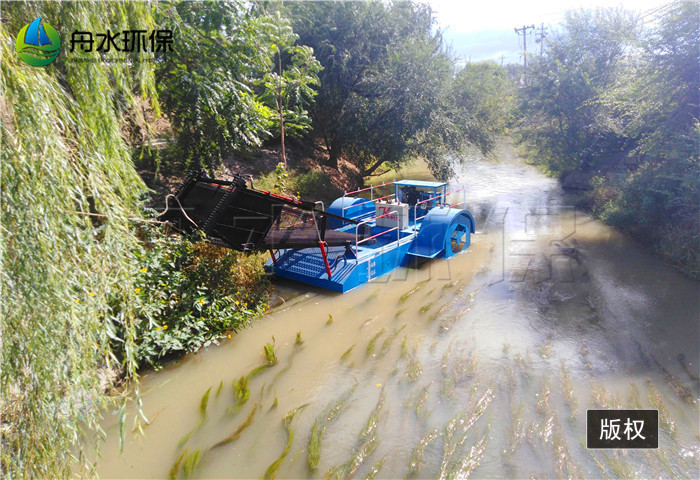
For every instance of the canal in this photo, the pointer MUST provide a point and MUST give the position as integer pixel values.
(482, 365)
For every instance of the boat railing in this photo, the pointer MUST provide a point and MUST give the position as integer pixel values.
(364, 222)
(443, 196)
(370, 188)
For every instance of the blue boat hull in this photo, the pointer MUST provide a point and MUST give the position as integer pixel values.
(307, 265)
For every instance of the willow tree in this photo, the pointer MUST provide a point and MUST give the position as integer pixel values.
(69, 190)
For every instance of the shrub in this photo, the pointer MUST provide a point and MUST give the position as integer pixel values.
(190, 293)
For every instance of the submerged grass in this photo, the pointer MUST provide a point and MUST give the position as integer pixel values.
(203, 404)
(172, 475)
(404, 347)
(241, 391)
(419, 404)
(330, 319)
(373, 341)
(368, 442)
(457, 429)
(620, 468)
(269, 350)
(415, 367)
(418, 286)
(347, 353)
(634, 399)
(665, 419)
(376, 468)
(299, 340)
(417, 462)
(319, 428)
(239, 430)
(516, 433)
(274, 467)
(567, 388)
(465, 467)
(189, 464)
(388, 341)
(426, 307)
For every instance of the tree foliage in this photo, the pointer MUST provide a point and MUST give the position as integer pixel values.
(67, 275)
(619, 101)
(222, 88)
(386, 93)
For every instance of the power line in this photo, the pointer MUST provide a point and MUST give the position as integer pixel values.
(540, 36)
(524, 29)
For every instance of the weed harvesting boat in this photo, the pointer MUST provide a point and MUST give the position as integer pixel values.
(354, 241)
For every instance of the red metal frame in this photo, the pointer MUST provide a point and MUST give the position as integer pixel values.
(322, 246)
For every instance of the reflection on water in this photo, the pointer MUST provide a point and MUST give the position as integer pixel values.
(482, 365)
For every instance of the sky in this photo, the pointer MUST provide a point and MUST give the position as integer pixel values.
(483, 29)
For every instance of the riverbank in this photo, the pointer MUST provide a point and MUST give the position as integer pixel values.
(656, 204)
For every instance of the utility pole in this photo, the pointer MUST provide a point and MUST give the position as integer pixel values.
(524, 30)
(539, 37)
(501, 59)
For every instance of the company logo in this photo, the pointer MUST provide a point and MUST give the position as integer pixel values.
(38, 43)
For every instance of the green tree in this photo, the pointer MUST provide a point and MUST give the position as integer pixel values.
(288, 88)
(234, 79)
(206, 85)
(561, 102)
(384, 95)
(69, 190)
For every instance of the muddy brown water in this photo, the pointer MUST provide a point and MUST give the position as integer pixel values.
(482, 365)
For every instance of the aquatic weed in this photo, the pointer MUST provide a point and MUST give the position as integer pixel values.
(367, 444)
(419, 404)
(176, 466)
(620, 468)
(298, 341)
(456, 430)
(425, 307)
(516, 433)
(269, 351)
(657, 402)
(330, 319)
(272, 470)
(203, 404)
(418, 286)
(471, 460)
(415, 368)
(567, 388)
(374, 295)
(543, 407)
(376, 468)
(240, 389)
(404, 347)
(373, 341)
(347, 353)
(239, 430)
(190, 463)
(389, 340)
(417, 461)
(546, 350)
(319, 428)
(633, 399)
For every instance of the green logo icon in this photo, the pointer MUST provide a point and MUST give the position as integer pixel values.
(38, 43)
